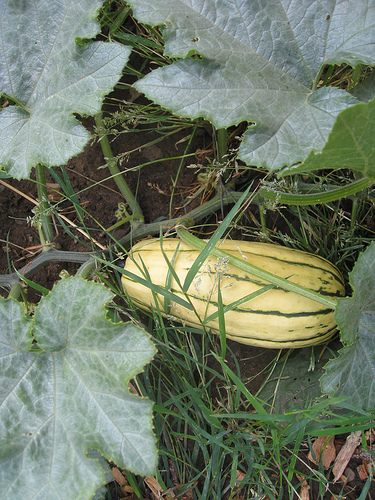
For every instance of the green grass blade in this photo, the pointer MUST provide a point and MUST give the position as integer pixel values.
(171, 273)
(213, 241)
(119, 20)
(222, 332)
(155, 288)
(35, 286)
(136, 40)
(206, 412)
(237, 303)
(366, 488)
(241, 386)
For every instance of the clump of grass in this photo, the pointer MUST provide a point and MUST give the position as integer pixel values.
(216, 439)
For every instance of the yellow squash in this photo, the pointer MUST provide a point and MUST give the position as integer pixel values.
(275, 318)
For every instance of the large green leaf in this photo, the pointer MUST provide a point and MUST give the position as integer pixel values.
(71, 395)
(51, 76)
(352, 373)
(365, 90)
(350, 143)
(260, 62)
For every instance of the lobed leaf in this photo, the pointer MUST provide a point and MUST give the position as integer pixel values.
(71, 395)
(349, 310)
(295, 381)
(350, 143)
(50, 76)
(365, 90)
(259, 62)
(352, 373)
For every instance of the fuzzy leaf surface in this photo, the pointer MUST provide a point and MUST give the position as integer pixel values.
(352, 373)
(259, 62)
(51, 76)
(365, 90)
(71, 395)
(350, 143)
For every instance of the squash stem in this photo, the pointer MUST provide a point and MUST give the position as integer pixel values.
(115, 172)
(45, 224)
(15, 291)
(283, 283)
(316, 198)
(222, 148)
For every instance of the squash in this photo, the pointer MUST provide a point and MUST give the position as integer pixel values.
(273, 318)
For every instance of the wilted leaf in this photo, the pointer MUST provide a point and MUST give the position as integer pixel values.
(51, 76)
(324, 451)
(71, 395)
(259, 62)
(345, 454)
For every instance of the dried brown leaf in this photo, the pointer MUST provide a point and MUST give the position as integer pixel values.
(119, 477)
(121, 481)
(362, 471)
(157, 491)
(304, 493)
(325, 451)
(345, 454)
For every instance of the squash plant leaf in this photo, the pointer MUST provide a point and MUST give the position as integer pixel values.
(64, 377)
(47, 73)
(352, 373)
(350, 143)
(365, 90)
(260, 62)
(296, 380)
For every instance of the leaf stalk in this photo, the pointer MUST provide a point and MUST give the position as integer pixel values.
(45, 227)
(316, 198)
(115, 172)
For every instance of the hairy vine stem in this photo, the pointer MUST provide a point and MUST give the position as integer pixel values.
(115, 172)
(317, 197)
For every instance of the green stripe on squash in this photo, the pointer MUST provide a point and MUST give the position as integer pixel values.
(275, 318)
